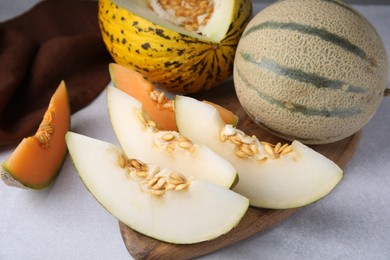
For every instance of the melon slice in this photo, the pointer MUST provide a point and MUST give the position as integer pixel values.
(185, 48)
(212, 24)
(271, 176)
(200, 211)
(139, 137)
(37, 159)
(156, 103)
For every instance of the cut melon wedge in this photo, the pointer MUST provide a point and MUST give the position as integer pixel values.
(200, 212)
(271, 176)
(215, 30)
(140, 138)
(37, 159)
(156, 103)
(134, 84)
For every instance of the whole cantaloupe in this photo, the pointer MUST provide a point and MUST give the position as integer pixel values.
(310, 70)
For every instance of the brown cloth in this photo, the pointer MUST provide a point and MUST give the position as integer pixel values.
(54, 41)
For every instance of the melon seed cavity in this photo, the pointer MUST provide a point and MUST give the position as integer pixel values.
(168, 140)
(250, 147)
(192, 15)
(152, 179)
(46, 129)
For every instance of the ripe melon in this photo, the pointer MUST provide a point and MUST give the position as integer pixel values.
(150, 199)
(181, 52)
(140, 138)
(310, 70)
(276, 176)
(37, 159)
(156, 103)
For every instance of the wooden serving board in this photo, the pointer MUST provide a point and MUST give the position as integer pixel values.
(255, 220)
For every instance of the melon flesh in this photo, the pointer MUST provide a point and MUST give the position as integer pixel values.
(289, 181)
(215, 29)
(201, 212)
(147, 145)
(34, 164)
(134, 84)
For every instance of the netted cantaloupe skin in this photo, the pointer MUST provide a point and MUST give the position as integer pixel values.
(310, 70)
(175, 61)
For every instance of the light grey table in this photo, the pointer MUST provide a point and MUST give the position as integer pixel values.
(65, 221)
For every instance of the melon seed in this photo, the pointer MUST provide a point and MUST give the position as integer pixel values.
(185, 144)
(157, 192)
(152, 181)
(168, 137)
(141, 174)
(287, 150)
(241, 154)
(170, 186)
(277, 147)
(182, 186)
(122, 161)
(268, 149)
(161, 98)
(160, 183)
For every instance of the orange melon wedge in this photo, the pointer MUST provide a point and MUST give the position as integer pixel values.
(155, 103)
(37, 159)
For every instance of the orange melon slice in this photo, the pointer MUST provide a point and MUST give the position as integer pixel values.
(37, 159)
(155, 103)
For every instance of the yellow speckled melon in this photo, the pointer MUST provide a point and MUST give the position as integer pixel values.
(181, 46)
(311, 70)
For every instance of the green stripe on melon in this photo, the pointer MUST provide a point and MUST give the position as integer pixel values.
(300, 75)
(297, 108)
(312, 70)
(310, 30)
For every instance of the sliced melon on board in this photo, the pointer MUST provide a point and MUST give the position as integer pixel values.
(272, 176)
(156, 103)
(139, 136)
(193, 212)
(37, 159)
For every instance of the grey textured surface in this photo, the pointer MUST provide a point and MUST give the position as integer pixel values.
(65, 221)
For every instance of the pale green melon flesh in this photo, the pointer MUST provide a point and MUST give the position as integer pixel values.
(201, 212)
(140, 142)
(293, 180)
(215, 30)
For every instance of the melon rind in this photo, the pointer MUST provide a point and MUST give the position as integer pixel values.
(167, 57)
(9, 180)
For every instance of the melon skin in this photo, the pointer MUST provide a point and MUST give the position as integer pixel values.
(174, 60)
(315, 71)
